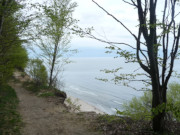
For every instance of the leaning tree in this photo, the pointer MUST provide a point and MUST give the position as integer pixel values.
(156, 49)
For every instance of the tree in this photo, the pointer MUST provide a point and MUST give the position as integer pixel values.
(157, 42)
(11, 30)
(19, 57)
(53, 35)
(3, 7)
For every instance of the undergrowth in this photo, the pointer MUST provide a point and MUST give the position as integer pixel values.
(35, 88)
(10, 119)
(43, 90)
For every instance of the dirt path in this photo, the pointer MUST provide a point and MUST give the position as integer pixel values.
(41, 117)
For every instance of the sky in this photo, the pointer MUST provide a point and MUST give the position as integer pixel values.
(105, 27)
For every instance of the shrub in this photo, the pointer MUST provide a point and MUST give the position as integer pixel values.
(15, 58)
(140, 108)
(173, 97)
(20, 58)
(37, 71)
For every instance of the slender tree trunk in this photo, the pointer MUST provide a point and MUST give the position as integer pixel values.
(51, 73)
(52, 66)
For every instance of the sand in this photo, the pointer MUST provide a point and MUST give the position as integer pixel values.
(84, 106)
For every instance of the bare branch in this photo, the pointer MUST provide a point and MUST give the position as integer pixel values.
(173, 56)
(116, 19)
(132, 4)
(145, 68)
(108, 42)
(176, 15)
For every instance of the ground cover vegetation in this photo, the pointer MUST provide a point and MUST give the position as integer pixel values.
(140, 108)
(10, 120)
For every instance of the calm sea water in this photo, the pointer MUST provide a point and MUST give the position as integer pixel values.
(80, 81)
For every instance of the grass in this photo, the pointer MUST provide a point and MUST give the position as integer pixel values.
(10, 119)
(46, 94)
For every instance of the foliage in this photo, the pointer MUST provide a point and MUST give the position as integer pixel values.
(46, 94)
(11, 28)
(37, 72)
(9, 117)
(174, 100)
(54, 37)
(19, 57)
(30, 86)
(140, 108)
(15, 57)
(33, 87)
(111, 118)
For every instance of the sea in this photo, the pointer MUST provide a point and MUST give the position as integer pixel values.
(81, 79)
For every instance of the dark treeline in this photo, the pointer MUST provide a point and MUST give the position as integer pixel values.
(12, 53)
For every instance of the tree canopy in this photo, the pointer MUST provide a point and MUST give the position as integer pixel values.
(11, 49)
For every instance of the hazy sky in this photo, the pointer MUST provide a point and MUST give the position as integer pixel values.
(90, 15)
(105, 27)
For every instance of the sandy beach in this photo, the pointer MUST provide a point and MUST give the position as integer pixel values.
(84, 106)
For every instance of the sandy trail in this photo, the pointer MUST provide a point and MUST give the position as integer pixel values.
(42, 117)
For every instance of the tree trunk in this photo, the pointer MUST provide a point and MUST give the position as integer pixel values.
(53, 62)
(51, 73)
(52, 67)
(159, 98)
(4, 3)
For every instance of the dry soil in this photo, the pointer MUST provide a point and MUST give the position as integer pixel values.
(42, 116)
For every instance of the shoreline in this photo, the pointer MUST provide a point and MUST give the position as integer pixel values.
(84, 106)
